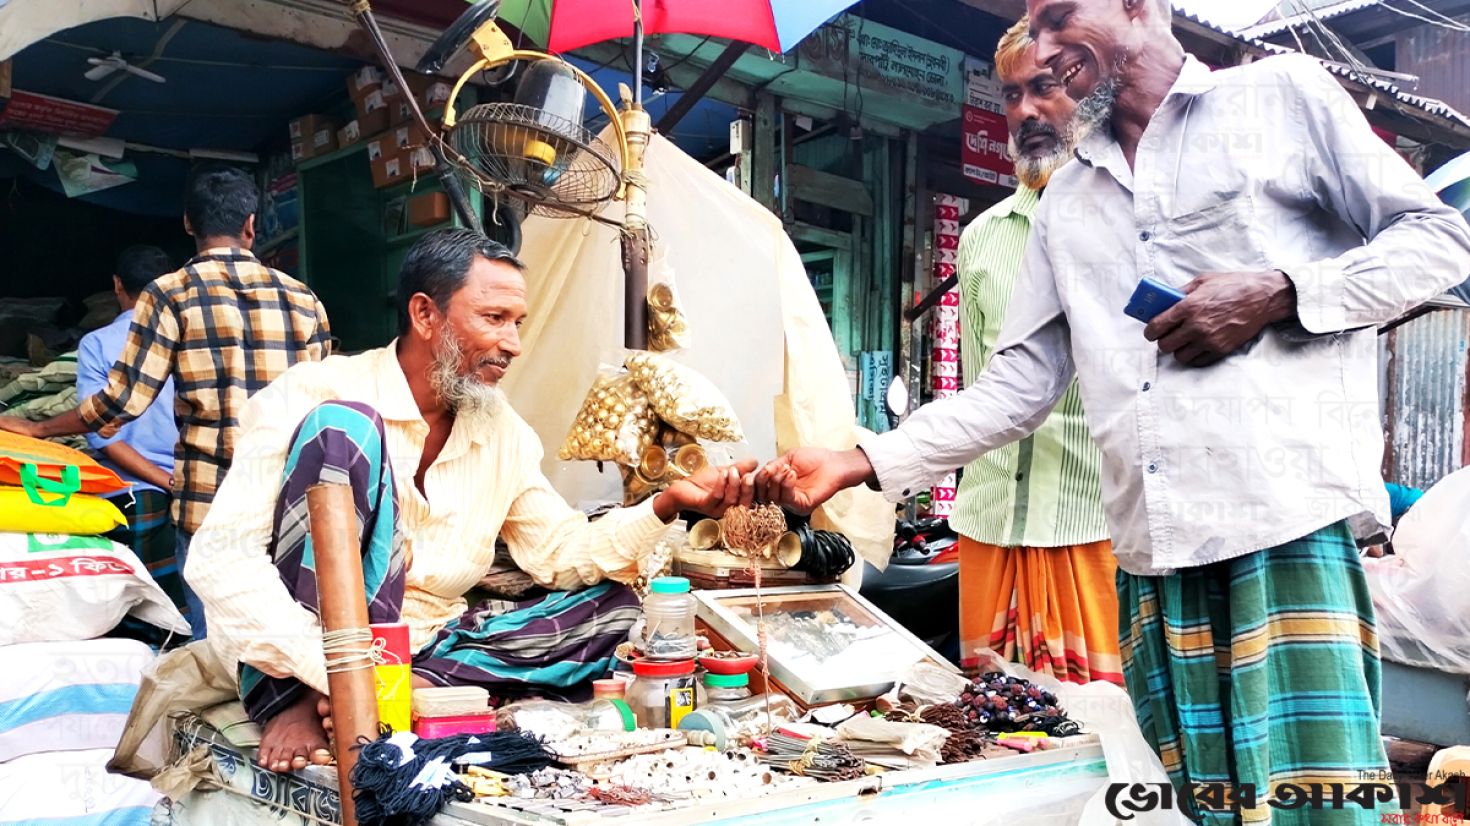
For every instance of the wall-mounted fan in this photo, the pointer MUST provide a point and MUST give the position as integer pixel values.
(104, 67)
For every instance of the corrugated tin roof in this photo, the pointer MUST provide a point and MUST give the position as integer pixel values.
(1436, 108)
(1276, 22)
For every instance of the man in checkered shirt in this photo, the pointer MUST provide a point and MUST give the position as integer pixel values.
(222, 327)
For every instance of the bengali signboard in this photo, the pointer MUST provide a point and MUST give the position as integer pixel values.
(983, 154)
(55, 116)
(874, 59)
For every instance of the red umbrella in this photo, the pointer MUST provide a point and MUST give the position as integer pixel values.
(563, 25)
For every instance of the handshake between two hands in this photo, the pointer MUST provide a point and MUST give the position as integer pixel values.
(801, 481)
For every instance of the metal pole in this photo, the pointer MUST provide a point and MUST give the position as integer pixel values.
(638, 53)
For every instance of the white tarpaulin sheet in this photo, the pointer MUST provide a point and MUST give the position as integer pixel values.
(756, 331)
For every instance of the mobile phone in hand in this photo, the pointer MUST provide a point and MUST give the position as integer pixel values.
(1151, 298)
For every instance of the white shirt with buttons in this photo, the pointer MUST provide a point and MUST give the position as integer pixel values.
(1268, 166)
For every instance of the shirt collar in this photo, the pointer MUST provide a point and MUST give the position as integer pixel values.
(1101, 149)
(235, 253)
(395, 400)
(1023, 203)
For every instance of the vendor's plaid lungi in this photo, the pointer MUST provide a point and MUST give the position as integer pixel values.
(150, 535)
(556, 640)
(1260, 670)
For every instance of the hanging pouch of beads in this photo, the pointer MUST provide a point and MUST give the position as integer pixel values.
(684, 399)
(668, 327)
(616, 422)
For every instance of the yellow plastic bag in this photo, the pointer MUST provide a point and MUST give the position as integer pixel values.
(77, 514)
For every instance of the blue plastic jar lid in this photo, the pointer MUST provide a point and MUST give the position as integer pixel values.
(669, 585)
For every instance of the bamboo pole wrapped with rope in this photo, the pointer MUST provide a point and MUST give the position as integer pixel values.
(347, 641)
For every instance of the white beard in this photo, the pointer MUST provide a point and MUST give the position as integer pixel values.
(466, 395)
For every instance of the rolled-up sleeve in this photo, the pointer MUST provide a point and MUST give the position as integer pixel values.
(1417, 246)
(559, 548)
(253, 618)
(146, 363)
(1024, 379)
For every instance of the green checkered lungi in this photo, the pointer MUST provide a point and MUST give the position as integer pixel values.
(1260, 670)
(150, 535)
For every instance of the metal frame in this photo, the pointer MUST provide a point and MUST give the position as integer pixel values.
(738, 632)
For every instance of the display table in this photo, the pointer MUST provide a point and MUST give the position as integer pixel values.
(1043, 787)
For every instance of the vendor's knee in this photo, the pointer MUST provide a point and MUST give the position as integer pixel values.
(343, 425)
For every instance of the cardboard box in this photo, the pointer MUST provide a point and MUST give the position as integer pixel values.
(399, 113)
(420, 159)
(374, 122)
(389, 170)
(312, 136)
(364, 81)
(381, 146)
(305, 125)
(437, 94)
(349, 134)
(370, 103)
(429, 209)
(408, 137)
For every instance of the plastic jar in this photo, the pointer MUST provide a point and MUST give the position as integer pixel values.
(662, 692)
(609, 689)
(723, 689)
(668, 620)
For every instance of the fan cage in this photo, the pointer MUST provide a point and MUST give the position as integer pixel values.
(557, 167)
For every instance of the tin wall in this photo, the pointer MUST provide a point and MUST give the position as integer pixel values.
(1426, 405)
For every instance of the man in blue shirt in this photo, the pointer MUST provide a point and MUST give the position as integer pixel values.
(142, 451)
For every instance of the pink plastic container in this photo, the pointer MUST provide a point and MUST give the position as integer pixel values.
(432, 728)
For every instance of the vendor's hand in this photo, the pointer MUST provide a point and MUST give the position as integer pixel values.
(1221, 311)
(15, 424)
(805, 478)
(711, 491)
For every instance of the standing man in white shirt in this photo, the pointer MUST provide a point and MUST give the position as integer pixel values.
(440, 467)
(1239, 429)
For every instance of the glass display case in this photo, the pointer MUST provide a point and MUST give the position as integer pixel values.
(826, 643)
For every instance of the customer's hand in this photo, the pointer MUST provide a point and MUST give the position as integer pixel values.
(711, 491)
(1221, 311)
(805, 478)
(15, 424)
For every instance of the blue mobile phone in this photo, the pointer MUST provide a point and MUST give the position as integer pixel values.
(1151, 298)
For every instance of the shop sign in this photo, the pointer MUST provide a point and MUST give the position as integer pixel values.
(983, 155)
(886, 61)
(43, 113)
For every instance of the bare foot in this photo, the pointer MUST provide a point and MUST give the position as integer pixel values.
(294, 738)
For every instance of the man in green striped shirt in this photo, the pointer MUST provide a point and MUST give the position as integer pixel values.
(1036, 567)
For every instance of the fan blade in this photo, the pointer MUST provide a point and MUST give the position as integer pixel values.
(100, 70)
(144, 73)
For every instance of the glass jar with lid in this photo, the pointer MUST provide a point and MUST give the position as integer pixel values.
(662, 692)
(668, 620)
(723, 689)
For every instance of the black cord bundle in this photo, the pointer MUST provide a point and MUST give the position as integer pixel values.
(404, 781)
(826, 555)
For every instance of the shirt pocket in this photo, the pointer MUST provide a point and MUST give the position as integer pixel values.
(1218, 237)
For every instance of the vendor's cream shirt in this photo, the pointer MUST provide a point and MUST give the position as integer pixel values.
(484, 484)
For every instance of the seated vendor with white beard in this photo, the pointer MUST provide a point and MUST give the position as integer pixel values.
(439, 466)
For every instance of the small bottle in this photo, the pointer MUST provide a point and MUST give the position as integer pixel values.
(610, 689)
(723, 689)
(668, 620)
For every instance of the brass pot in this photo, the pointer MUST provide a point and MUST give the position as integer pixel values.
(788, 550)
(705, 535)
